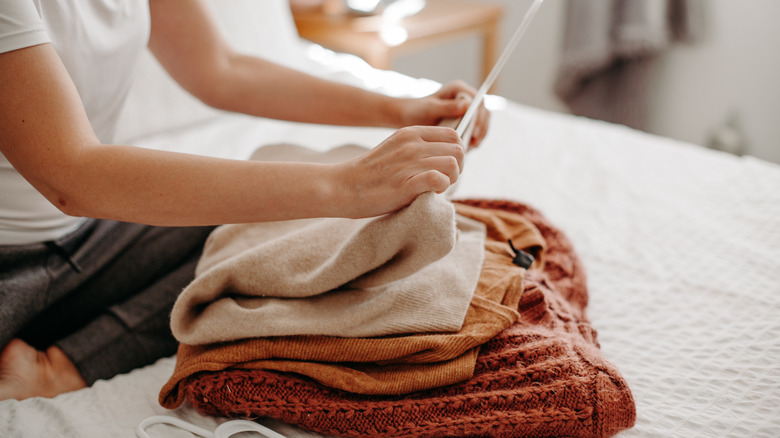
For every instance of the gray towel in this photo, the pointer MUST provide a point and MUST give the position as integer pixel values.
(608, 54)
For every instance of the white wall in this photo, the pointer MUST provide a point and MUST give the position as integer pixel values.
(734, 66)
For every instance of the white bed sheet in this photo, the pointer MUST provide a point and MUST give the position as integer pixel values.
(681, 244)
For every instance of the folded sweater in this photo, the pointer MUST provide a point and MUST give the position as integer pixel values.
(389, 364)
(542, 376)
(410, 271)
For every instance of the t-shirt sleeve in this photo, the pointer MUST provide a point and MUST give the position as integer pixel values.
(20, 25)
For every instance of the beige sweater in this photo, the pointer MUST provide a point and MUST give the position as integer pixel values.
(411, 271)
(389, 364)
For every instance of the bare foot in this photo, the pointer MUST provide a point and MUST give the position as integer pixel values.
(26, 372)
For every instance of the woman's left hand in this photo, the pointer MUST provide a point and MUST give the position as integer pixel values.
(445, 104)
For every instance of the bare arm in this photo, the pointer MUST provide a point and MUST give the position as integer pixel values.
(188, 44)
(48, 139)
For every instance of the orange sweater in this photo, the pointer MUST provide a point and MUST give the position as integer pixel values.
(542, 376)
(392, 364)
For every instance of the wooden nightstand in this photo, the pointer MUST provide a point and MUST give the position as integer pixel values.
(378, 40)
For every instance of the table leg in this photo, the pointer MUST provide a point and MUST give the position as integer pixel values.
(490, 50)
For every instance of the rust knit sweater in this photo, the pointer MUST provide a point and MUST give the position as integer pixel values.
(389, 364)
(542, 376)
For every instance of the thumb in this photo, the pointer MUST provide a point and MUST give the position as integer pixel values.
(456, 107)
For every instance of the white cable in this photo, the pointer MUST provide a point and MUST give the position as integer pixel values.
(140, 432)
(491, 78)
(224, 430)
(230, 428)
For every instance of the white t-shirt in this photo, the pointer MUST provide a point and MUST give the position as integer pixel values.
(99, 42)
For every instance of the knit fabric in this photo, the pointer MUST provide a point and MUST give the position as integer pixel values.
(388, 364)
(410, 271)
(542, 376)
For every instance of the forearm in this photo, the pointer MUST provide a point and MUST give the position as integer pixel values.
(260, 88)
(48, 139)
(162, 188)
(187, 42)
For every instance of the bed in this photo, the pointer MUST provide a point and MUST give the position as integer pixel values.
(681, 245)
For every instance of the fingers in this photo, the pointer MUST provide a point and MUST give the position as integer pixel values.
(481, 126)
(478, 127)
(412, 161)
(433, 157)
(439, 141)
(445, 165)
(454, 103)
(439, 168)
(459, 96)
(458, 106)
(451, 89)
(434, 134)
(429, 181)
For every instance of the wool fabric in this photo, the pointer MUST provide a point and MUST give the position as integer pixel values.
(388, 364)
(410, 271)
(542, 376)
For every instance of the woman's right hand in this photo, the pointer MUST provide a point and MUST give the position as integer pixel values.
(412, 161)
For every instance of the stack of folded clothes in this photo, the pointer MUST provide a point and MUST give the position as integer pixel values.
(443, 319)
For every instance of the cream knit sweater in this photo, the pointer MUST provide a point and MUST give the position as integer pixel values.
(410, 271)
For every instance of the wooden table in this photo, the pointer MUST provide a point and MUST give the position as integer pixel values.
(379, 40)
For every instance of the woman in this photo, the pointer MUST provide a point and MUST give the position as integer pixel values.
(97, 239)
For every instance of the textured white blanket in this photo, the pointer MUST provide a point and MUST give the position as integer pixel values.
(682, 248)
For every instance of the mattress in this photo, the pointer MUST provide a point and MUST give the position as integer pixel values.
(681, 245)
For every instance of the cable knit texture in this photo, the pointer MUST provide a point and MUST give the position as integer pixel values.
(543, 376)
(387, 364)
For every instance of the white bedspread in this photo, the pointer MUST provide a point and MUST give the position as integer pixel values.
(682, 247)
(681, 244)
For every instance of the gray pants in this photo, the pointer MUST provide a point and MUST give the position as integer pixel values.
(103, 294)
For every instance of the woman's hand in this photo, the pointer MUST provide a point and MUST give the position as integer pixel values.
(445, 104)
(412, 161)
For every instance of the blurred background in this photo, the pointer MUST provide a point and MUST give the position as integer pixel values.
(701, 71)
